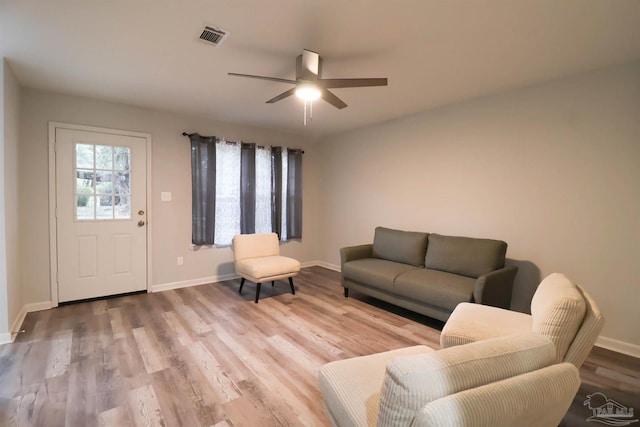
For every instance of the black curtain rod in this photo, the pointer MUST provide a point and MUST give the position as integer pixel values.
(233, 142)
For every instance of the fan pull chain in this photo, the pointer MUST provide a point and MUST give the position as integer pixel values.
(310, 111)
(310, 104)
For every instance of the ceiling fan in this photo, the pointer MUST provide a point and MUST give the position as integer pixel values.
(309, 84)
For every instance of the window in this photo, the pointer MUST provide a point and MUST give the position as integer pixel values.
(244, 188)
(102, 176)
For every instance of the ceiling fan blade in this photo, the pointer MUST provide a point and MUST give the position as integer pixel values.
(332, 99)
(308, 65)
(338, 83)
(273, 79)
(282, 96)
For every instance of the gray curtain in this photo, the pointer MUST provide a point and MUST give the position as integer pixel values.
(294, 194)
(276, 190)
(248, 189)
(203, 188)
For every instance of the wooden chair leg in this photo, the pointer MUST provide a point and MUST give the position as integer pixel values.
(258, 291)
(241, 285)
(293, 291)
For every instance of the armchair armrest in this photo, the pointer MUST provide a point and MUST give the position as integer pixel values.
(495, 288)
(351, 253)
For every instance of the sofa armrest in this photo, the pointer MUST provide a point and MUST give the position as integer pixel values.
(351, 253)
(495, 288)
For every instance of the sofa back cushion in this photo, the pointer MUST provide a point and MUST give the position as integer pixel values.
(465, 255)
(557, 311)
(411, 382)
(407, 247)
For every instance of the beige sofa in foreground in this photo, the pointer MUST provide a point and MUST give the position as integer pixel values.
(508, 381)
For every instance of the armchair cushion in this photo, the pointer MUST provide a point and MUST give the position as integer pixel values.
(475, 322)
(266, 267)
(557, 311)
(413, 381)
(351, 387)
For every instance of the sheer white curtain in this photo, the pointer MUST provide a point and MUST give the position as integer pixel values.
(263, 190)
(257, 190)
(283, 199)
(227, 222)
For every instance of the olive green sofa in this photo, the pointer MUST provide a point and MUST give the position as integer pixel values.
(429, 273)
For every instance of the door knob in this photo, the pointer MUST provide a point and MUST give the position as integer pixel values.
(140, 212)
(140, 223)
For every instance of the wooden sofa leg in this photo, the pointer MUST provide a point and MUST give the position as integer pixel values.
(346, 292)
(258, 291)
(241, 285)
(272, 283)
(293, 291)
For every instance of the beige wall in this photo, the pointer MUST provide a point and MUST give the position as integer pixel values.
(171, 221)
(10, 288)
(553, 169)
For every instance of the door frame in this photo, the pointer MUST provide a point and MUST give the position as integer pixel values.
(53, 232)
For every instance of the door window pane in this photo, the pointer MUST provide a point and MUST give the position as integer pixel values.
(102, 182)
(121, 158)
(122, 208)
(104, 157)
(84, 156)
(121, 183)
(85, 207)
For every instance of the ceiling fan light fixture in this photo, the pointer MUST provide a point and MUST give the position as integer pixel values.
(308, 92)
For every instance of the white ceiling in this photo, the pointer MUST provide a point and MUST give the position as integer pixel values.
(434, 52)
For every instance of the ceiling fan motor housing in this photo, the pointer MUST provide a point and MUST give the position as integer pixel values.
(308, 66)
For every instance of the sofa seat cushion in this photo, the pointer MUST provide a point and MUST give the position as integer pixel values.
(465, 255)
(475, 322)
(267, 267)
(407, 247)
(435, 287)
(351, 387)
(413, 381)
(378, 273)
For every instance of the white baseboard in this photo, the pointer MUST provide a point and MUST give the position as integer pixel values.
(9, 337)
(213, 279)
(5, 338)
(193, 282)
(326, 265)
(619, 346)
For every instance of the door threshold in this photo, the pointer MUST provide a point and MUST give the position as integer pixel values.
(77, 301)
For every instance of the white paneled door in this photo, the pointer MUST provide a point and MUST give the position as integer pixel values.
(101, 214)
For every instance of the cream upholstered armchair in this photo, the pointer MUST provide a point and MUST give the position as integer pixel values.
(500, 382)
(560, 310)
(257, 259)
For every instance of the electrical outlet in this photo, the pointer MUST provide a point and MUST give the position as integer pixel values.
(180, 260)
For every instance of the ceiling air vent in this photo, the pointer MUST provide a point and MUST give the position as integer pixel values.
(214, 36)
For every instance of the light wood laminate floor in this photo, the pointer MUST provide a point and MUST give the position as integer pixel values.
(206, 356)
